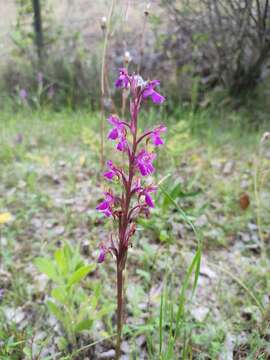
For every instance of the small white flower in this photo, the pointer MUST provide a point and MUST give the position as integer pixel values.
(127, 57)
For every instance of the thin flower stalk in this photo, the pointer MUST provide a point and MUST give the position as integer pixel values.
(105, 26)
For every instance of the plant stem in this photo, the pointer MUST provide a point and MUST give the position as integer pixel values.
(103, 78)
(120, 283)
(257, 193)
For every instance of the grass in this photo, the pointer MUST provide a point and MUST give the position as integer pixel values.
(50, 183)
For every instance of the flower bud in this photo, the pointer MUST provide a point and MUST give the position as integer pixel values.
(147, 9)
(103, 22)
(127, 57)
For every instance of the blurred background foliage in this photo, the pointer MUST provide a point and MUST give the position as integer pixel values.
(210, 54)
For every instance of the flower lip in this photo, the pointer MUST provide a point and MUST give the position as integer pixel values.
(106, 205)
(144, 162)
(155, 135)
(148, 199)
(149, 91)
(101, 256)
(118, 132)
(109, 175)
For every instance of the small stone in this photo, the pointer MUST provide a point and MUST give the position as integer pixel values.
(37, 223)
(252, 227)
(206, 271)
(228, 167)
(14, 315)
(140, 341)
(215, 234)
(244, 184)
(244, 237)
(59, 230)
(201, 221)
(62, 163)
(227, 353)
(200, 313)
(110, 354)
(41, 282)
(216, 164)
(125, 347)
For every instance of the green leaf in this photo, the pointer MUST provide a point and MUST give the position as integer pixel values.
(144, 274)
(59, 294)
(84, 325)
(55, 310)
(61, 261)
(47, 267)
(106, 309)
(62, 344)
(80, 274)
(27, 351)
(175, 193)
(164, 236)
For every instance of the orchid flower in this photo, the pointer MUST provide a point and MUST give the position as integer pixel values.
(136, 198)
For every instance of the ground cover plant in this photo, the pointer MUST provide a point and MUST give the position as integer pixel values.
(50, 187)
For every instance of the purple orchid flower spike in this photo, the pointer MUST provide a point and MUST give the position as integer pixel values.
(149, 90)
(136, 198)
(144, 162)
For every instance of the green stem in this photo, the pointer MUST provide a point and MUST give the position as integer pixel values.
(258, 200)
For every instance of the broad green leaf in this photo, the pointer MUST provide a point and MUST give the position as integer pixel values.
(106, 309)
(67, 252)
(62, 344)
(93, 301)
(59, 294)
(80, 274)
(84, 325)
(55, 310)
(164, 236)
(47, 267)
(61, 261)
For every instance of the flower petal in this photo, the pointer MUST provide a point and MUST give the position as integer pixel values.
(149, 201)
(113, 134)
(157, 98)
(101, 256)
